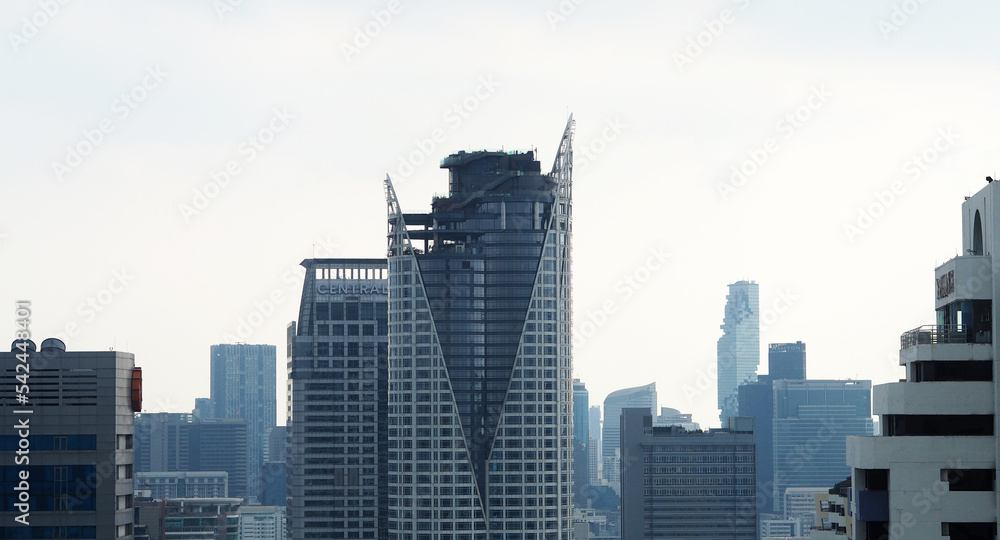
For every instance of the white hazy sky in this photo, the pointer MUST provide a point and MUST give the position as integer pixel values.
(836, 101)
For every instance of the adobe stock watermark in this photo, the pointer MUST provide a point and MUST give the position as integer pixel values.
(563, 11)
(900, 15)
(587, 326)
(455, 115)
(914, 167)
(97, 303)
(262, 308)
(34, 23)
(780, 304)
(121, 108)
(786, 126)
(225, 7)
(366, 33)
(700, 42)
(585, 154)
(250, 148)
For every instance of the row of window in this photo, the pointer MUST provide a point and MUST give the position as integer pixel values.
(351, 348)
(382, 328)
(700, 448)
(350, 311)
(36, 531)
(9, 443)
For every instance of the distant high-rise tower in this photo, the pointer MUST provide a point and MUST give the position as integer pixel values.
(338, 397)
(739, 346)
(481, 398)
(203, 408)
(243, 386)
(594, 449)
(67, 464)
(639, 396)
(786, 361)
(812, 420)
(581, 440)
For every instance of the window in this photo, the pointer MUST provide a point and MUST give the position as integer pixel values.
(969, 479)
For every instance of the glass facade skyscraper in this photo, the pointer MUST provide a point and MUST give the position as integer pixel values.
(812, 420)
(481, 398)
(739, 346)
(337, 392)
(244, 386)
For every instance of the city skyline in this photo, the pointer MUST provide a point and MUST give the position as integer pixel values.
(856, 127)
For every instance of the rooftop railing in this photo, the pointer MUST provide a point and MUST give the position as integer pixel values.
(934, 334)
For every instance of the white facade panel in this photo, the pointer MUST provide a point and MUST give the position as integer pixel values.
(933, 398)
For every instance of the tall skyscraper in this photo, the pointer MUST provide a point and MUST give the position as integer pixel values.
(337, 392)
(786, 361)
(812, 420)
(67, 467)
(683, 484)
(739, 346)
(243, 386)
(595, 445)
(932, 472)
(481, 398)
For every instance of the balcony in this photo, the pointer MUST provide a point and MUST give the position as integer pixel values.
(932, 334)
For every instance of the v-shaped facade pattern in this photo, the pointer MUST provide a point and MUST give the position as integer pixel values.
(480, 397)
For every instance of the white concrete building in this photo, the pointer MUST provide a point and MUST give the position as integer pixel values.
(780, 528)
(800, 504)
(179, 484)
(931, 474)
(262, 523)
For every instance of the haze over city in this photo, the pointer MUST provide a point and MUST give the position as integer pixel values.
(167, 165)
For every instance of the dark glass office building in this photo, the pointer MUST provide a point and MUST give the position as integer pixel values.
(337, 392)
(786, 361)
(812, 420)
(67, 441)
(180, 442)
(481, 397)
